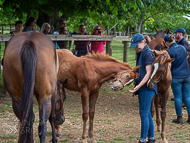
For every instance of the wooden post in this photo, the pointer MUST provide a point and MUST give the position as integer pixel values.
(66, 44)
(125, 51)
(108, 48)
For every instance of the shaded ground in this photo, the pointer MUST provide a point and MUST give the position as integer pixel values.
(116, 119)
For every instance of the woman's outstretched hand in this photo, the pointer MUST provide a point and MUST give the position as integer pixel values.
(135, 89)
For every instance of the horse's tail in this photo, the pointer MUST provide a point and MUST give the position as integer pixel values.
(28, 58)
(147, 38)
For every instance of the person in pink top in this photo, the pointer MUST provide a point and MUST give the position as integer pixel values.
(97, 46)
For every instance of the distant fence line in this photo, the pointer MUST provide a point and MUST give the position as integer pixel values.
(125, 40)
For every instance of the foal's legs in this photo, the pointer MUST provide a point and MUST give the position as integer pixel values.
(84, 99)
(152, 107)
(163, 115)
(59, 133)
(93, 99)
(156, 103)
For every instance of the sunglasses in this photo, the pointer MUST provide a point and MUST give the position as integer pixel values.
(98, 29)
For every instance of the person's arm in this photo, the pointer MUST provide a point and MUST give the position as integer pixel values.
(144, 80)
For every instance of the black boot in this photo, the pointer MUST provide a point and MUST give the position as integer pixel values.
(178, 120)
(188, 121)
(151, 141)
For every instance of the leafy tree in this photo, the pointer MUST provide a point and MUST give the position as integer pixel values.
(131, 15)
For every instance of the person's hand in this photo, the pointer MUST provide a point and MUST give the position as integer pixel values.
(135, 89)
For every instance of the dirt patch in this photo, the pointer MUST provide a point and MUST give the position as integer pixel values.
(116, 119)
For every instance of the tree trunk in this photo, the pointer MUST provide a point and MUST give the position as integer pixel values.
(53, 19)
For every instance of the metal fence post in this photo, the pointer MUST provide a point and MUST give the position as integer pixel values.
(125, 51)
(108, 48)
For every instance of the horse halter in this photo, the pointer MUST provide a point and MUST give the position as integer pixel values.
(121, 80)
(159, 79)
(61, 104)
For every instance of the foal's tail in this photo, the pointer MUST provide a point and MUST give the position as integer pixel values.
(28, 58)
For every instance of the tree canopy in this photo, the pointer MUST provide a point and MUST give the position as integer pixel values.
(132, 15)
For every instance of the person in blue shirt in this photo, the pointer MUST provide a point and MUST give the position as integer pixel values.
(179, 35)
(180, 76)
(145, 58)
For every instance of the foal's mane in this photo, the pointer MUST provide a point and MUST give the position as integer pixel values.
(163, 56)
(102, 57)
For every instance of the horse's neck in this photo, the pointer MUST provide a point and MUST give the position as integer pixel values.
(109, 71)
(167, 75)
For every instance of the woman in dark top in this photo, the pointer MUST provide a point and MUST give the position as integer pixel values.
(180, 76)
(145, 58)
(29, 25)
(82, 46)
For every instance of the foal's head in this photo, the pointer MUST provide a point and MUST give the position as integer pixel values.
(159, 67)
(124, 78)
(61, 96)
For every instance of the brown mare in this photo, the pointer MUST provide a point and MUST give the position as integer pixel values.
(86, 75)
(30, 67)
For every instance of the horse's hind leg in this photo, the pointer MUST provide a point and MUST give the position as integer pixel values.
(16, 108)
(52, 121)
(44, 113)
(93, 99)
(163, 115)
(156, 103)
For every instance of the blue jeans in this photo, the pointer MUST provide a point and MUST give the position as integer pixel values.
(180, 88)
(147, 125)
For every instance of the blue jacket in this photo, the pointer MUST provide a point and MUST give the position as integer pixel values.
(144, 58)
(183, 42)
(180, 66)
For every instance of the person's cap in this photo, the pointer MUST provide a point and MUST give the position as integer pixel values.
(167, 38)
(181, 30)
(136, 39)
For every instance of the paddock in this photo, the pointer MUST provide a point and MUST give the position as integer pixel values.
(116, 120)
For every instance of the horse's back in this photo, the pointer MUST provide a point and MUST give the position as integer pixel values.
(45, 72)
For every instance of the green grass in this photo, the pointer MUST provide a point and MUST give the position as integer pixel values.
(9, 137)
(49, 133)
(64, 141)
(119, 139)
